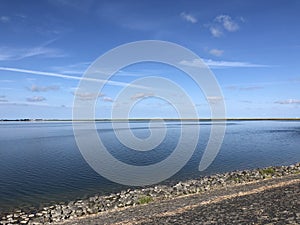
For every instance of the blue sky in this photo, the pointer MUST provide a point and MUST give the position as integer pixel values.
(252, 47)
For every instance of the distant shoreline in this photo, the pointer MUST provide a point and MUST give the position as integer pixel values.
(148, 119)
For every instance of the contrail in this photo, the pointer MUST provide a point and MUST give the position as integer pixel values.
(50, 74)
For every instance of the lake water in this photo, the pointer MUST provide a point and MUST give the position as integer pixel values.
(41, 164)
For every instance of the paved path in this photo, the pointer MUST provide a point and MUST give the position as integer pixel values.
(272, 201)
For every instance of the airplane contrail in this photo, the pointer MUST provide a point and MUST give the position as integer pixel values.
(50, 74)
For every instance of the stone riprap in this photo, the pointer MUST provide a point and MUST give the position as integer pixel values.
(75, 209)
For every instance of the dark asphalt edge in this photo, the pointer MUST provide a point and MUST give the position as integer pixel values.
(139, 213)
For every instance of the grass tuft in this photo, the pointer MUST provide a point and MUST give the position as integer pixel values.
(145, 199)
(267, 171)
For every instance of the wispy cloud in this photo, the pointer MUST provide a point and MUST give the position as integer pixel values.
(131, 73)
(35, 88)
(246, 101)
(7, 81)
(250, 88)
(50, 74)
(141, 95)
(244, 88)
(216, 52)
(20, 15)
(43, 51)
(288, 101)
(4, 19)
(213, 63)
(80, 6)
(87, 96)
(3, 98)
(76, 68)
(36, 99)
(214, 99)
(122, 14)
(219, 64)
(188, 17)
(7, 53)
(232, 87)
(295, 79)
(32, 103)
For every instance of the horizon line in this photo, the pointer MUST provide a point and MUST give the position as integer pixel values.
(125, 119)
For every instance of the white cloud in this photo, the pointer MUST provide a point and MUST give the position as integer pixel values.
(216, 32)
(107, 99)
(4, 19)
(288, 101)
(216, 52)
(35, 88)
(218, 64)
(36, 99)
(188, 17)
(227, 23)
(141, 95)
(221, 24)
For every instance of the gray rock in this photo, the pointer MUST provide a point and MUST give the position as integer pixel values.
(58, 212)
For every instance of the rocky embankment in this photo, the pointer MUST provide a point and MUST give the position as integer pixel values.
(93, 205)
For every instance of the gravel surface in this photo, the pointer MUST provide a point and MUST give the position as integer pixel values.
(271, 201)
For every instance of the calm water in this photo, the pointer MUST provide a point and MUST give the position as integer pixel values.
(41, 164)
